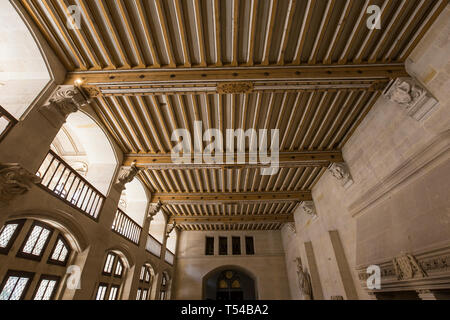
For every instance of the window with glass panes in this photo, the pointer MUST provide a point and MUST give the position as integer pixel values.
(145, 283)
(164, 287)
(111, 278)
(39, 239)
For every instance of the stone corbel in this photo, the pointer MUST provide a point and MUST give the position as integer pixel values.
(154, 211)
(412, 96)
(341, 172)
(127, 175)
(15, 181)
(309, 208)
(170, 228)
(66, 100)
(291, 227)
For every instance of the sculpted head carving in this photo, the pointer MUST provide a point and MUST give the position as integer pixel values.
(127, 175)
(309, 208)
(404, 92)
(15, 181)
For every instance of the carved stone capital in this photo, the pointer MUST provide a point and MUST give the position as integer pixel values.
(15, 181)
(309, 208)
(341, 172)
(412, 96)
(127, 175)
(66, 100)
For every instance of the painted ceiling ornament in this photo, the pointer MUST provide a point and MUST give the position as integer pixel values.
(304, 280)
(411, 95)
(234, 87)
(340, 171)
(309, 208)
(407, 267)
(15, 181)
(127, 175)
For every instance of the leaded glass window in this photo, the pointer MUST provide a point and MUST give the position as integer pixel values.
(61, 252)
(109, 263)
(46, 288)
(113, 293)
(101, 292)
(36, 240)
(15, 285)
(7, 235)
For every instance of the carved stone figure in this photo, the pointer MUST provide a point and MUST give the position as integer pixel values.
(15, 181)
(341, 172)
(127, 175)
(409, 93)
(406, 267)
(304, 280)
(309, 208)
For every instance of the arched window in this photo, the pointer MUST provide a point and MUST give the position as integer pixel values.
(112, 276)
(164, 289)
(146, 277)
(42, 245)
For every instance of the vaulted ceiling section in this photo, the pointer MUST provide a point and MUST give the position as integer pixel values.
(312, 69)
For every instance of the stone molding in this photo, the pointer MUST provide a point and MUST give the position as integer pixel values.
(15, 181)
(433, 154)
(412, 96)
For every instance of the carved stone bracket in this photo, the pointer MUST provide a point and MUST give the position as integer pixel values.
(411, 95)
(170, 228)
(291, 227)
(407, 267)
(127, 175)
(309, 208)
(340, 171)
(152, 212)
(66, 100)
(15, 181)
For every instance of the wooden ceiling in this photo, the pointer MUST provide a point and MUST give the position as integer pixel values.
(311, 69)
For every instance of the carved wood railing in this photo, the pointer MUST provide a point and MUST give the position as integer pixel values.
(66, 183)
(169, 257)
(126, 227)
(153, 246)
(7, 121)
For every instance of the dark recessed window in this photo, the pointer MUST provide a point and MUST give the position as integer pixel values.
(249, 246)
(236, 245)
(209, 247)
(223, 246)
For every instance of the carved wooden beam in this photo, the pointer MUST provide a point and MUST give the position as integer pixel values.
(286, 159)
(268, 218)
(231, 198)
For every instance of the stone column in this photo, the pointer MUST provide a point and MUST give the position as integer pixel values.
(313, 270)
(29, 141)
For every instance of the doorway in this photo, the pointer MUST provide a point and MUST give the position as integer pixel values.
(229, 284)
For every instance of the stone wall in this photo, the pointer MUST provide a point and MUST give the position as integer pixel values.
(399, 201)
(267, 266)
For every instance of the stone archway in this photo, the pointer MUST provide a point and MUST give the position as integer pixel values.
(229, 283)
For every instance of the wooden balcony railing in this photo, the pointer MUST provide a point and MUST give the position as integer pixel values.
(126, 227)
(169, 257)
(7, 121)
(153, 246)
(63, 181)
